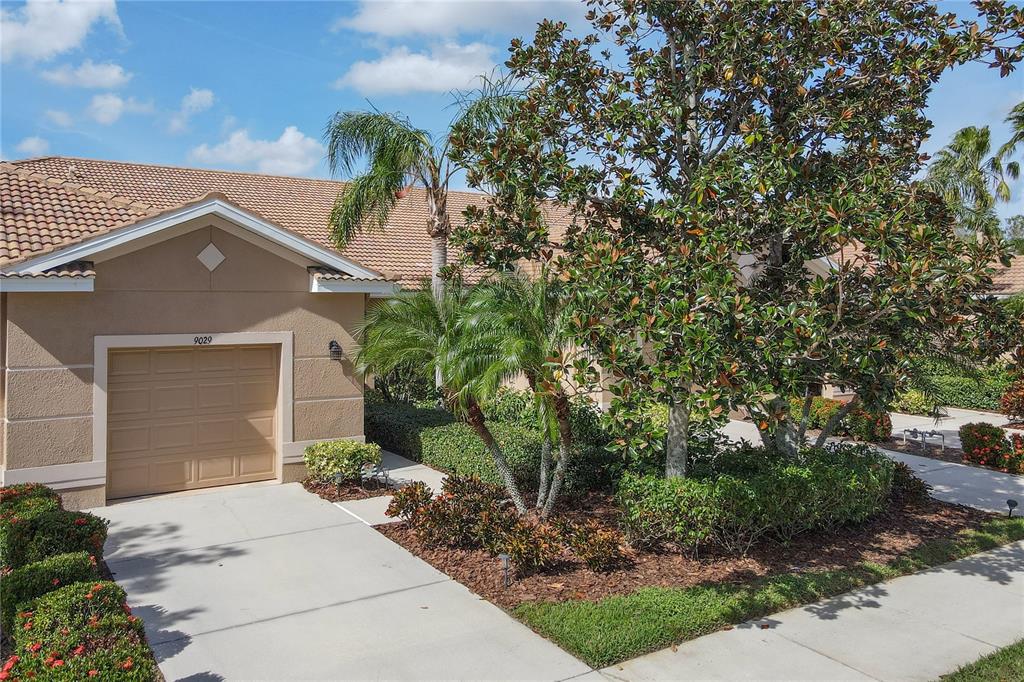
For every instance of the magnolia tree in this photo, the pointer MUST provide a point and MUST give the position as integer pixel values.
(745, 226)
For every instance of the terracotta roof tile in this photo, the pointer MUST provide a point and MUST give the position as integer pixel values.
(79, 269)
(1010, 280)
(59, 217)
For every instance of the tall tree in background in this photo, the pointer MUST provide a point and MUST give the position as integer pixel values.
(400, 156)
(739, 175)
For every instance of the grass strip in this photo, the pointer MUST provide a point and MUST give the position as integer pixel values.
(622, 627)
(1002, 666)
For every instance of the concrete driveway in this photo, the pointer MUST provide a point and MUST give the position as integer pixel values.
(269, 582)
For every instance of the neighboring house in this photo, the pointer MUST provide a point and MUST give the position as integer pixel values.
(165, 329)
(1009, 281)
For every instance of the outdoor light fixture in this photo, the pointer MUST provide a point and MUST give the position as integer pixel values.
(339, 478)
(1012, 504)
(505, 559)
(334, 348)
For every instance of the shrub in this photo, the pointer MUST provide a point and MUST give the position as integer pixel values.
(907, 487)
(531, 547)
(860, 424)
(327, 459)
(598, 547)
(913, 401)
(398, 426)
(12, 496)
(48, 532)
(950, 387)
(456, 449)
(36, 579)
(409, 500)
(81, 631)
(989, 446)
(1012, 402)
(774, 496)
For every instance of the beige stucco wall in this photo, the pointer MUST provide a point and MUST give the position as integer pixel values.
(48, 349)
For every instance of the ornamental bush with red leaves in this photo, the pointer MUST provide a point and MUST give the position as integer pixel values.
(991, 447)
(1012, 402)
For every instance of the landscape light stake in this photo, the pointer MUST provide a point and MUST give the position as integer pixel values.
(339, 478)
(505, 559)
(1012, 504)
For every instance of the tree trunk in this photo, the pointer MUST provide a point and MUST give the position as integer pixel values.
(677, 445)
(564, 452)
(833, 423)
(545, 469)
(476, 420)
(438, 259)
(805, 415)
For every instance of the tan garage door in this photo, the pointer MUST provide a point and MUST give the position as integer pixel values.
(183, 418)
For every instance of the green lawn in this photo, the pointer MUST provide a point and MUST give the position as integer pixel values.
(1005, 665)
(622, 627)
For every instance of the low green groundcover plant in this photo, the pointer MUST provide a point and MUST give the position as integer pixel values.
(1004, 665)
(81, 631)
(748, 493)
(618, 628)
(327, 459)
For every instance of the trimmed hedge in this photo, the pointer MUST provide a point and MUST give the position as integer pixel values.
(327, 459)
(36, 579)
(40, 531)
(81, 631)
(435, 438)
(748, 494)
(952, 389)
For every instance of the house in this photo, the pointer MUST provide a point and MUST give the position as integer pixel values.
(1009, 281)
(166, 329)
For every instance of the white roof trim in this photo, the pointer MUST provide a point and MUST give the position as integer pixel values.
(30, 284)
(318, 285)
(214, 206)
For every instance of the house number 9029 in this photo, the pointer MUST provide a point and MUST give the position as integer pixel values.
(202, 340)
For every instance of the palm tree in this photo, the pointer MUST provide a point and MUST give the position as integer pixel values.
(523, 320)
(421, 330)
(972, 180)
(400, 156)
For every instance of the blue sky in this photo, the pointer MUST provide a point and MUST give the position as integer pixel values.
(249, 85)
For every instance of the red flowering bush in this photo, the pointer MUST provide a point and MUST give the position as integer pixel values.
(81, 631)
(989, 446)
(1012, 401)
(37, 578)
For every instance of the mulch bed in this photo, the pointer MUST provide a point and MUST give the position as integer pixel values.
(348, 491)
(893, 533)
(932, 451)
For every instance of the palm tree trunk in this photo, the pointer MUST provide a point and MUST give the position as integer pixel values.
(677, 446)
(438, 259)
(564, 452)
(475, 416)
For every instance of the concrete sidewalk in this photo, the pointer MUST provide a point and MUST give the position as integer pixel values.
(401, 471)
(917, 627)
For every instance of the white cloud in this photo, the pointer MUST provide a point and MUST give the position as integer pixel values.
(196, 101)
(32, 146)
(42, 29)
(108, 108)
(61, 119)
(448, 17)
(291, 154)
(89, 75)
(448, 67)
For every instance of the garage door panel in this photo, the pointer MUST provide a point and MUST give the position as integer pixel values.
(218, 359)
(256, 392)
(128, 401)
(173, 361)
(218, 396)
(173, 399)
(188, 418)
(128, 363)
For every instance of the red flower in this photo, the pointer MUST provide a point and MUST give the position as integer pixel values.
(81, 521)
(94, 673)
(56, 581)
(127, 665)
(35, 646)
(57, 663)
(79, 650)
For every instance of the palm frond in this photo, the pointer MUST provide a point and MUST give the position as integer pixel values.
(1016, 121)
